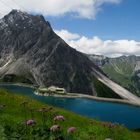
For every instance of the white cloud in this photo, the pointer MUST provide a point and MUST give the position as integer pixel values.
(95, 45)
(80, 8)
(67, 35)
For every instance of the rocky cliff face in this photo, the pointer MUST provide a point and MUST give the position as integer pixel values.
(31, 51)
(98, 60)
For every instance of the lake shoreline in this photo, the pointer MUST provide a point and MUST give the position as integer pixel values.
(76, 95)
(92, 98)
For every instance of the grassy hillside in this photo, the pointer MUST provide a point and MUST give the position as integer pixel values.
(121, 78)
(14, 110)
(122, 71)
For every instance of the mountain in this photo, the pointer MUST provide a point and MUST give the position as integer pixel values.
(30, 52)
(124, 70)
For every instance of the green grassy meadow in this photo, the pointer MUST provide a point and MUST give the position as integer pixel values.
(15, 110)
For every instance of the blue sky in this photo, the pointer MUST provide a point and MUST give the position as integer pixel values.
(121, 21)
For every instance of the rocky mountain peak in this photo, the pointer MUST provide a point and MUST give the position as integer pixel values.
(17, 18)
(15, 12)
(16, 15)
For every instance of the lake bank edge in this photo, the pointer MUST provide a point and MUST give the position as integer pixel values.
(76, 95)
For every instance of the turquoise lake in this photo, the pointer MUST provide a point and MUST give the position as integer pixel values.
(126, 115)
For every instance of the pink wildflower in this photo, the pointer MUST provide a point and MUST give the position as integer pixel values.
(30, 122)
(59, 118)
(71, 130)
(55, 128)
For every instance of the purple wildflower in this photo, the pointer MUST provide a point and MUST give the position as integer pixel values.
(30, 122)
(59, 118)
(71, 130)
(55, 128)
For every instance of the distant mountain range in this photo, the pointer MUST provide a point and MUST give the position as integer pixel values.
(30, 52)
(124, 70)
